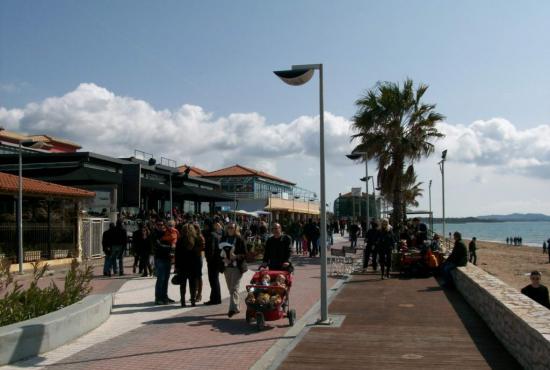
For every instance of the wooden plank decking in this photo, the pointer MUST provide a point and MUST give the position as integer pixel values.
(400, 324)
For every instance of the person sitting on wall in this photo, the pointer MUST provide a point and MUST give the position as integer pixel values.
(458, 257)
(536, 291)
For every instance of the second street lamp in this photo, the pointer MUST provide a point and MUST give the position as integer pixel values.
(355, 156)
(299, 75)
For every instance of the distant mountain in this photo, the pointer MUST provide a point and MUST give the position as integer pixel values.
(514, 217)
(517, 217)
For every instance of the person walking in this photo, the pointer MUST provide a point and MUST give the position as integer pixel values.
(385, 243)
(353, 234)
(107, 244)
(212, 235)
(544, 247)
(120, 239)
(202, 242)
(370, 247)
(165, 243)
(188, 262)
(233, 253)
(142, 246)
(278, 251)
(472, 251)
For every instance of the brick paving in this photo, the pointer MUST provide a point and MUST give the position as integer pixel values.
(202, 338)
(400, 324)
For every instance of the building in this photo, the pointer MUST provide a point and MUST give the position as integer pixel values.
(253, 190)
(45, 143)
(120, 184)
(50, 219)
(350, 206)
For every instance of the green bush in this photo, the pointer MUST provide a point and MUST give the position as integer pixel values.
(20, 304)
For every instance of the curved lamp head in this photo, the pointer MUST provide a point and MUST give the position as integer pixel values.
(354, 156)
(295, 77)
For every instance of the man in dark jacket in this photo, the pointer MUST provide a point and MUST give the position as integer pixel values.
(119, 241)
(472, 248)
(458, 257)
(536, 291)
(277, 250)
(370, 247)
(107, 243)
(353, 234)
(212, 238)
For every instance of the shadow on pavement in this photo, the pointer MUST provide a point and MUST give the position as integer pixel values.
(486, 342)
(218, 322)
(145, 307)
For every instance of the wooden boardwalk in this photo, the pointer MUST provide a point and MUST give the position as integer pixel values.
(400, 324)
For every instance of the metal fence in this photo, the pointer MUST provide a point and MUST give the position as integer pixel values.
(40, 241)
(92, 233)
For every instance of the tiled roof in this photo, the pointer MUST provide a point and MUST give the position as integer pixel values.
(50, 139)
(10, 184)
(195, 171)
(238, 170)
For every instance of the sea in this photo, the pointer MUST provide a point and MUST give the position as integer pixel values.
(533, 233)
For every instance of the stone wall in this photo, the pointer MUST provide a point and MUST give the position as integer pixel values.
(521, 324)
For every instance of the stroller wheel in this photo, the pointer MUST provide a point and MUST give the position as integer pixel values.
(291, 317)
(260, 321)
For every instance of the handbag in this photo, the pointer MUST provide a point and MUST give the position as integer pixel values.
(176, 279)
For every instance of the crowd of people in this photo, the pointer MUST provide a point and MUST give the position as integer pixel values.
(514, 240)
(184, 241)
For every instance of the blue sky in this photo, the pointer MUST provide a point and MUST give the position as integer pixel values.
(482, 60)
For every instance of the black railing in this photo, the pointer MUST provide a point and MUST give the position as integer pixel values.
(40, 241)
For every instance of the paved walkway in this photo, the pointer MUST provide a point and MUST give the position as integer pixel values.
(400, 324)
(139, 335)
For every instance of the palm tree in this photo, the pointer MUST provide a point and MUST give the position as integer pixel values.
(393, 126)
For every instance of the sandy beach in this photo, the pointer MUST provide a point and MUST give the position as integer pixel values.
(512, 264)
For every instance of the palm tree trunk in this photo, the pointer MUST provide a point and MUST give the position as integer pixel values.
(397, 215)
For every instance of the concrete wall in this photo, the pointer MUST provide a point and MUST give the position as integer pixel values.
(521, 324)
(45, 333)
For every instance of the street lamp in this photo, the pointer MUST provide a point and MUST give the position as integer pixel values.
(430, 197)
(20, 203)
(299, 75)
(442, 169)
(355, 156)
(374, 196)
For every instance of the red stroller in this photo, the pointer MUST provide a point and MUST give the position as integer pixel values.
(269, 302)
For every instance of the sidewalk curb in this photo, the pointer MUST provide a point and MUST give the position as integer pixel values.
(273, 358)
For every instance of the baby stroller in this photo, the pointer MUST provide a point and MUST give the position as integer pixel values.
(269, 302)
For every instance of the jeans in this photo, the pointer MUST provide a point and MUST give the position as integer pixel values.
(473, 258)
(233, 279)
(107, 264)
(214, 280)
(385, 261)
(192, 288)
(162, 269)
(145, 264)
(116, 257)
(446, 272)
(298, 242)
(366, 256)
(353, 242)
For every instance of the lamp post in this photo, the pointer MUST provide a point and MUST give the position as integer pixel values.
(442, 169)
(354, 156)
(374, 196)
(20, 205)
(299, 75)
(430, 198)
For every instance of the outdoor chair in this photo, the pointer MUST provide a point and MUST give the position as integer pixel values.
(337, 262)
(352, 260)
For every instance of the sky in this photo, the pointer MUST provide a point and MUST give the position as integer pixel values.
(193, 81)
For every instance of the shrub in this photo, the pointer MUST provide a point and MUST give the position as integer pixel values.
(20, 304)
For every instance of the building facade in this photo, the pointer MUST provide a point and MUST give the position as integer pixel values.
(348, 206)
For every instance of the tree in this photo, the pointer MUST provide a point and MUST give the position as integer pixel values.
(394, 127)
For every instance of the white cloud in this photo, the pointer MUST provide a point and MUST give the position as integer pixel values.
(106, 123)
(498, 144)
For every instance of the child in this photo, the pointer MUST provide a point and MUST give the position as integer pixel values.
(280, 281)
(265, 279)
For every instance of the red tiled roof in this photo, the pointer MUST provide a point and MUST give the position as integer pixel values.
(238, 170)
(10, 184)
(195, 171)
